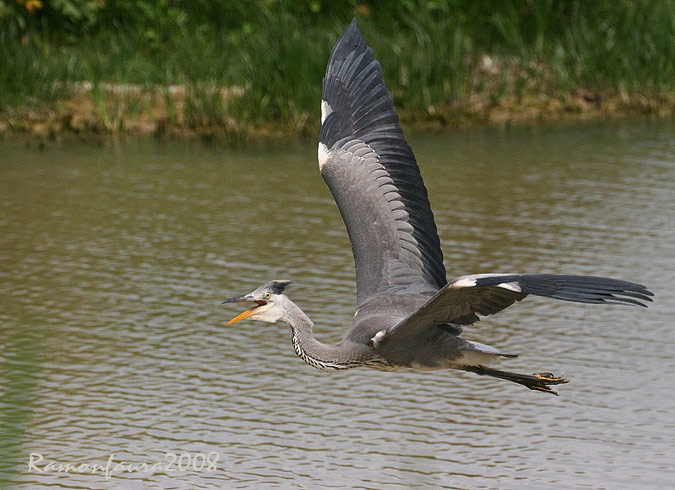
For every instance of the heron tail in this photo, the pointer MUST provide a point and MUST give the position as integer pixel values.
(471, 346)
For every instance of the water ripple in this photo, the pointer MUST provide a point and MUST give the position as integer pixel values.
(114, 341)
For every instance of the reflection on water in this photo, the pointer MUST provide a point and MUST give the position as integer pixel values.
(113, 261)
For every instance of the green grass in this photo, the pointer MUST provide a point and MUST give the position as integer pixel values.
(434, 54)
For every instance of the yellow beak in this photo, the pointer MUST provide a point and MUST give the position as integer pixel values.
(244, 314)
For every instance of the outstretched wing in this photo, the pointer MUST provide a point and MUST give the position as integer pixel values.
(462, 300)
(372, 174)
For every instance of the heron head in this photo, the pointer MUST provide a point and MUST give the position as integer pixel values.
(265, 306)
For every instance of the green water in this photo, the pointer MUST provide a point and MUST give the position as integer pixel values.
(114, 258)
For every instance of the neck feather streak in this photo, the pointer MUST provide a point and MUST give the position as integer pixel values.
(317, 354)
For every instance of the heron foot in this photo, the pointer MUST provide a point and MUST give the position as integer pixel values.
(547, 379)
(551, 379)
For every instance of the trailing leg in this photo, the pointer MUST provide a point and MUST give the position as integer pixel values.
(537, 381)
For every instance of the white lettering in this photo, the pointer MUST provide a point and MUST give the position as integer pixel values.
(107, 467)
(186, 462)
(31, 462)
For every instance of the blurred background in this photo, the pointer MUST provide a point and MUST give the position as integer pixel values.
(229, 69)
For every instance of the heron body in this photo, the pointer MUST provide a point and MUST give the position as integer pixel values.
(408, 315)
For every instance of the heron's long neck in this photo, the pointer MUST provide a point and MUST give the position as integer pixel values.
(316, 354)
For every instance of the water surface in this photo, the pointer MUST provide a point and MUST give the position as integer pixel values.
(114, 258)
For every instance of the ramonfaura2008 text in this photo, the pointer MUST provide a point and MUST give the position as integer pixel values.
(174, 462)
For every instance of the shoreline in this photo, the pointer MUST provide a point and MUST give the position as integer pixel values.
(175, 111)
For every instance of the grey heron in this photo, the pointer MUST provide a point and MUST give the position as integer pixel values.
(408, 315)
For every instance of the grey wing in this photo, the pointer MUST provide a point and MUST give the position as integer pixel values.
(463, 299)
(372, 174)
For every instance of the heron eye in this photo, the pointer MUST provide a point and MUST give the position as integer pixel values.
(267, 295)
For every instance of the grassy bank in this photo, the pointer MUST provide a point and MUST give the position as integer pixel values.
(232, 73)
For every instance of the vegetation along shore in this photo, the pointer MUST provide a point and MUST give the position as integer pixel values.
(232, 70)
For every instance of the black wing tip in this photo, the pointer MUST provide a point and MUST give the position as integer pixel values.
(608, 290)
(348, 41)
(578, 289)
(352, 29)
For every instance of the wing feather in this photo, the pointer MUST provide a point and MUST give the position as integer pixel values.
(463, 299)
(374, 178)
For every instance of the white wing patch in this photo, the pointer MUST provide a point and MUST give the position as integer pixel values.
(470, 281)
(511, 286)
(324, 155)
(464, 282)
(325, 110)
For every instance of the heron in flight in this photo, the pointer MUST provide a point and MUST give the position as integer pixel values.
(408, 315)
